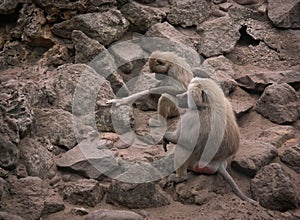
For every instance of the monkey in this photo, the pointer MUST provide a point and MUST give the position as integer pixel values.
(206, 135)
(174, 75)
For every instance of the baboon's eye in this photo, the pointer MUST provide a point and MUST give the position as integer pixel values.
(159, 62)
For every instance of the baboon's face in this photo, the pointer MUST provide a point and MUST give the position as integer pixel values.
(196, 96)
(160, 67)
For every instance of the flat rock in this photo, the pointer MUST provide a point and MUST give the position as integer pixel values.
(141, 17)
(56, 125)
(279, 103)
(188, 13)
(241, 101)
(10, 216)
(252, 156)
(104, 27)
(82, 192)
(259, 80)
(36, 158)
(219, 36)
(284, 14)
(274, 189)
(291, 157)
(144, 195)
(89, 158)
(113, 215)
(277, 135)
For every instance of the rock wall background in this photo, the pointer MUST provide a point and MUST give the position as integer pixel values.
(250, 46)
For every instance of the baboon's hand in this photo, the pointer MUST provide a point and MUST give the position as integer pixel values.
(116, 102)
(165, 143)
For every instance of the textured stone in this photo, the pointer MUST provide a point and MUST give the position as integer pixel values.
(291, 157)
(241, 101)
(113, 215)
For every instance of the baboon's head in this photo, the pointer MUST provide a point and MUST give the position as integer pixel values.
(159, 65)
(195, 97)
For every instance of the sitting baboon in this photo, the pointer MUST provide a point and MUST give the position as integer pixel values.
(206, 135)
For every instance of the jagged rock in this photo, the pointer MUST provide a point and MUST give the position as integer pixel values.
(56, 56)
(113, 215)
(144, 195)
(104, 27)
(26, 197)
(86, 49)
(223, 72)
(79, 211)
(52, 204)
(241, 101)
(279, 103)
(9, 153)
(32, 27)
(284, 14)
(277, 135)
(82, 192)
(89, 158)
(9, 6)
(188, 13)
(142, 17)
(218, 36)
(56, 125)
(252, 156)
(274, 189)
(37, 159)
(246, 2)
(291, 157)
(9, 216)
(165, 37)
(259, 80)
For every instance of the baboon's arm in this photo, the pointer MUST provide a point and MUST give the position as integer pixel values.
(171, 90)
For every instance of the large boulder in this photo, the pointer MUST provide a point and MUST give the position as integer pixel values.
(284, 14)
(291, 157)
(189, 13)
(219, 36)
(104, 27)
(142, 17)
(279, 103)
(274, 189)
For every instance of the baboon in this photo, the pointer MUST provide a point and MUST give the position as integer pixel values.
(207, 134)
(174, 74)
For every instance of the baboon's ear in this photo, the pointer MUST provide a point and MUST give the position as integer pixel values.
(204, 97)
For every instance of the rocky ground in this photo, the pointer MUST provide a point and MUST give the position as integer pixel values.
(66, 154)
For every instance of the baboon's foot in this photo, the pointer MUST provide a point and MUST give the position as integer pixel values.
(176, 179)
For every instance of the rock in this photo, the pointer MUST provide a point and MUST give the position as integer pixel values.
(142, 17)
(56, 125)
(252, 156)
(284, 14)
(79, 211)
(104, 27)
(8, 7)
(189, 13)
(113, 215)
(225, 6)
(291, 157)
(86, 49)
(241, 101)
(219, 36)
(259, 80)
(279, 103)
(26, 197)
(9, 153)
(21, 171)
(82, 192)
(52, 204)
(246, 2)
(165, 37)
(32, 27)
(223, 72)
(37, 159)
(56, 56)
(89, 158)
(136, 196)
(9, 216)
(274, 189)
(277, 135)
(146, 1)
(219, 1)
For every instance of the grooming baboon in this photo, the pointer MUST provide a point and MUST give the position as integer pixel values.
(174, 75)
(207, 133)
